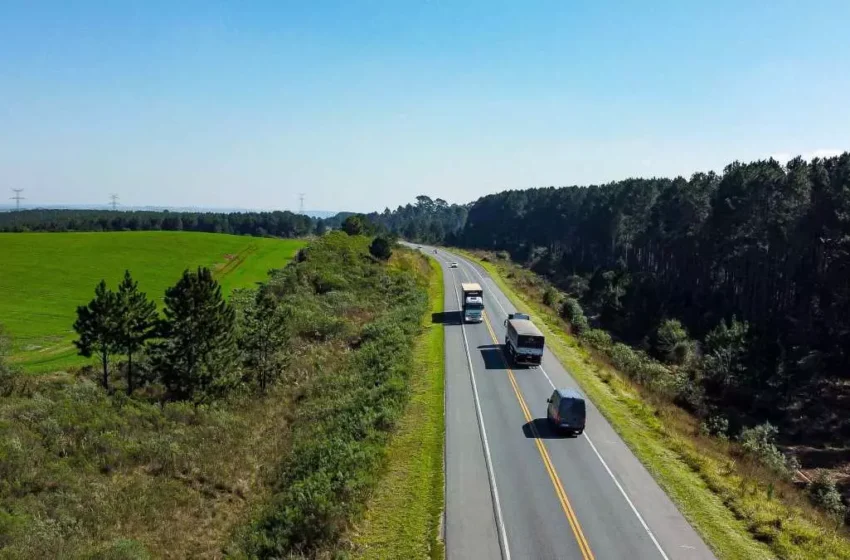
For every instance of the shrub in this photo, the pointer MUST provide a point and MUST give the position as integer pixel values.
(651, 373)
(354, 225)
(625, 359)
(824, 494)
(716, 425)
(551, 297)
(381, 248)
(671, 342)
(571, 311)
(688, 390)
(759, 443)
(597, 338)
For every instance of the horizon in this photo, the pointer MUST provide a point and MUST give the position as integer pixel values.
(781, 158)
(364, 106)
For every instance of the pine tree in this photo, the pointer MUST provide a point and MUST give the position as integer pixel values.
(197, 356)
(136, 319)
(97, 327)
(381, 248)
(264, 339)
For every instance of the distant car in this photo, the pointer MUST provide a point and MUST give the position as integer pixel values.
(435, 251)
(419, 246)
(453, 265)
(567, 411)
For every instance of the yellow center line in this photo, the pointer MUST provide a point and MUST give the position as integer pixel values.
(547, 461)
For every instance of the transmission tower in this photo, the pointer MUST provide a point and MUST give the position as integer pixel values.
(301, 202)
(17, 198)
(114, 203)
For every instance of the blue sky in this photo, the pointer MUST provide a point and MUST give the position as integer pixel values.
(363, 105)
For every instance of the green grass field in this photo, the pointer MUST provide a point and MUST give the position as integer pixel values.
(45, 276)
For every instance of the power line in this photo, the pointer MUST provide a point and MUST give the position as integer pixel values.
(17, 198)
(114, 203)
(301, 202)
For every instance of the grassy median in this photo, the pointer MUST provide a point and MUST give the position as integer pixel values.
(739, 510)
(402, 519)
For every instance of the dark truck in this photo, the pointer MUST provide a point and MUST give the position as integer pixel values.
(523, 341)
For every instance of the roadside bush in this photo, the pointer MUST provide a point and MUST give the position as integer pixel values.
(571, 311)
(823, 493)
(671, 342)
(651, 373)
(597, 338)
(688, 390)
(381, 248)
(551, 298)
(625, 359)
(716, 425)
(759, 443)
(342, 423)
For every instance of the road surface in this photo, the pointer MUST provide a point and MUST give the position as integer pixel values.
(516, 490)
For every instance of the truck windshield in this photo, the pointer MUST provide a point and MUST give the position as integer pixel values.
(530, 341)
(474, 305)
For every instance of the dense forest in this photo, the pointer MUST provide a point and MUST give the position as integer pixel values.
(279, 224)
(763, 244)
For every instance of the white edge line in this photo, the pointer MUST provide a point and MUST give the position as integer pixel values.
(500, 525)
(592, 446)
(626, 496)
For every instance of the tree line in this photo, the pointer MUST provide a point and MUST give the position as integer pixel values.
(278, 224)
(761, 250)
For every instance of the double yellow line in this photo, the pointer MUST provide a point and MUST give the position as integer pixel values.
(547, 461)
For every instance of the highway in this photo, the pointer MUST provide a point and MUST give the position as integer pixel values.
(515, 489)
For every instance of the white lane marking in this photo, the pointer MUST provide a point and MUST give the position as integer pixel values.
(592, 446)
(503, 535)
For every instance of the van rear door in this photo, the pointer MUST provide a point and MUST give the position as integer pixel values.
(572, 412)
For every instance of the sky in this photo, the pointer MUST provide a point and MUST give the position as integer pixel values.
(367, 104)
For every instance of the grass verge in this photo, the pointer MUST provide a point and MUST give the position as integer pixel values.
(739, 510)
(402, 518)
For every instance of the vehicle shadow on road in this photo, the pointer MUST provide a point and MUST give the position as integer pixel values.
(493, 357)
(541, 428)
(446, 318)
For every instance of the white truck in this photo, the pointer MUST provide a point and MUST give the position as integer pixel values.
(473, 302)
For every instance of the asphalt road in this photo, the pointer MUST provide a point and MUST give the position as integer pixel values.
(514, 489)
